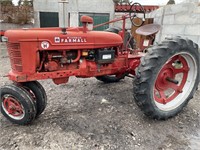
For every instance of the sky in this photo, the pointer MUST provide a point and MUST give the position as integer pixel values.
(143, 2)
(15, 1)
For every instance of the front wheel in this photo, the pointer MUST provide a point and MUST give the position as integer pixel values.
(167, 78)
(17, 105)
(38, 93)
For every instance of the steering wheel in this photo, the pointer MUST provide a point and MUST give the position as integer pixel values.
(135, 7)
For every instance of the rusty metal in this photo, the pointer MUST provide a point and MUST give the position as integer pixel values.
(126, 8)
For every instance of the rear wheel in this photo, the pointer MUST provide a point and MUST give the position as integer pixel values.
(167, 78)
(17, 105)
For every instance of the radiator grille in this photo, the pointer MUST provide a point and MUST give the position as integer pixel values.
(15, 56)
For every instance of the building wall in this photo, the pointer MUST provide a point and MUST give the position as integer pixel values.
(178, 20)
(97, 6)
(120, 23)
(7, 26)
(44, 6)
(74, 7)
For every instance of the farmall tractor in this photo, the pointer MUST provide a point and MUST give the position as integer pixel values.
(166, 75)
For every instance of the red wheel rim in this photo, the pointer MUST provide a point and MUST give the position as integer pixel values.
(30, 92)
(166, 89)
(12, 107)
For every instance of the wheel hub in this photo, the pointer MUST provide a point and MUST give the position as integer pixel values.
(167, 87)
(12, 106)
(162, 82)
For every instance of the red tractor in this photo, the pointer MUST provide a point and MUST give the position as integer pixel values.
(166, 75)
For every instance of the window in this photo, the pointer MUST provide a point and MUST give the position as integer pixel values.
(49, 19)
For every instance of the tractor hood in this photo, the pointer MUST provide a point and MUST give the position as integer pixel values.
(73, 38)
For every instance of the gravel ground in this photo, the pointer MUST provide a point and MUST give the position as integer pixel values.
(86, 114)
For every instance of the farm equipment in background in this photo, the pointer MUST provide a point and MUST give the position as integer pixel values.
(166, 75)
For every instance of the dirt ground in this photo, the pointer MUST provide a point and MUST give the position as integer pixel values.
(86, 114)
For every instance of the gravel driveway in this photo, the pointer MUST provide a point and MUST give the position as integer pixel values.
(86, 114)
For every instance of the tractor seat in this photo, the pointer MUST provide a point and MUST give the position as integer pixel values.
(148, 29)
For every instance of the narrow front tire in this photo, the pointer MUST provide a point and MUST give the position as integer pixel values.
(17, 105)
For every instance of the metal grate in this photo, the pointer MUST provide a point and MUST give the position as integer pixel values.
(15, 56)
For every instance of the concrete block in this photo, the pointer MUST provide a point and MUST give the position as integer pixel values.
(199, 42)
(192, 6)
(168, 19)
(173, 29)
(192, 30)
(196, 16)
(192, 37)
(156, 13)
(197, 10)
(180, 8)
(187, 18)
(157, 20)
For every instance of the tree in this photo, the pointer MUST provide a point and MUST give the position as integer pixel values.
(25, 3)
(21, 14)
(170, 2)
(6, 3)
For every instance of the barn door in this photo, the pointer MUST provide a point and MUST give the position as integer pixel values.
(49, 19)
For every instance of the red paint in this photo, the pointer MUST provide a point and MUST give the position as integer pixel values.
(169, 71)
(2, 32)
(38, 54)
(12, 106)
(86, 19)
(126, 8)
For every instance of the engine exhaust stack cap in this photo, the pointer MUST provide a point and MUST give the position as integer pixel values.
(86, 19)
(87, 23)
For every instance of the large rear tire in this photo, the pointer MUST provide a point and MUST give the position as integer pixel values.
(167, 78)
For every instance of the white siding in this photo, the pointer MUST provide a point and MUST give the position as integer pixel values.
(74, 7)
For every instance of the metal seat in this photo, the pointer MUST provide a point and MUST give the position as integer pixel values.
(148, 29)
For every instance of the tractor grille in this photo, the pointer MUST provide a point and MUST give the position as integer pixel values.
(15, 56)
